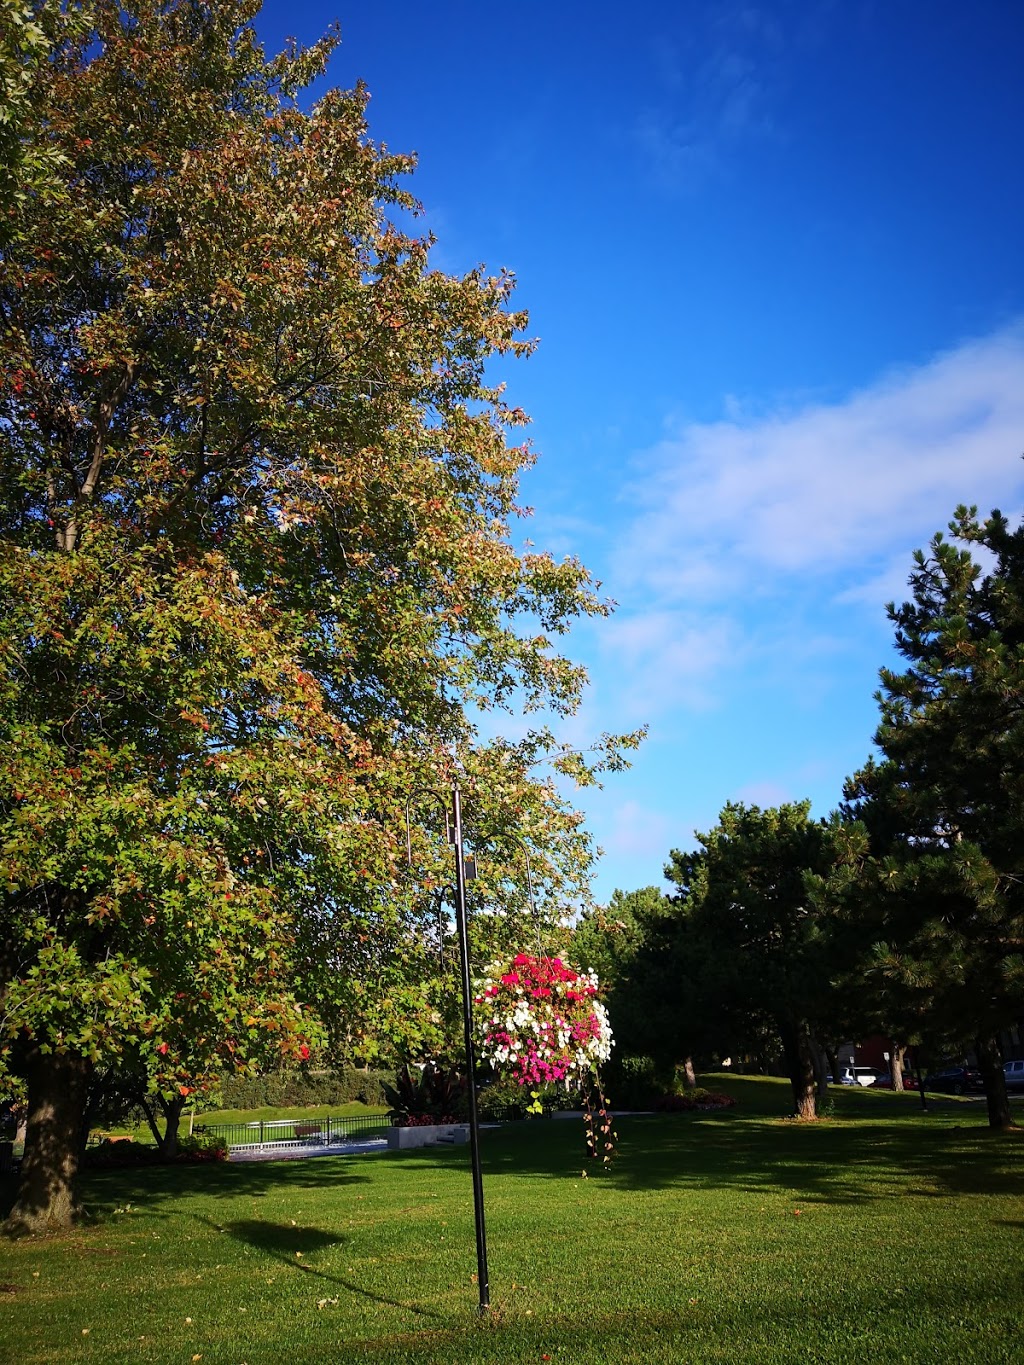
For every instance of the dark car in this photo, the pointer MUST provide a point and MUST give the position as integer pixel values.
(958, 1080)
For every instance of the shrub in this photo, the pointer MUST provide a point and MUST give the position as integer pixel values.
(504, 1098)
(433, 1091)
(117, 1152)
(634, 1083)
(121, 1152)
(698, 1098)
(423, 1120)
(202, 1147)
(280, 1089)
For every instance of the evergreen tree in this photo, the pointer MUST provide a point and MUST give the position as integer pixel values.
(937, 879)
(738, 949)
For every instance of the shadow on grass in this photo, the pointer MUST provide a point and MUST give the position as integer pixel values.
(834, 1161)
(877, 1147)
(790, 1327)
(284, 1241)
(159, 1188)
(288, 1243)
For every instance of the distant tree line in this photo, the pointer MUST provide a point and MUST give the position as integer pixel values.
(903, 912)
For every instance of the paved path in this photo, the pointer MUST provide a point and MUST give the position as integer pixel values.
(303, 1153)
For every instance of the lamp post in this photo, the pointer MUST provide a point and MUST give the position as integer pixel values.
(454, 828)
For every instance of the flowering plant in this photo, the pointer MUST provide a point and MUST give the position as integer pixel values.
(542, 1021)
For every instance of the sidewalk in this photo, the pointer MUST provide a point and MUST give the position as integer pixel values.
(269, 1153)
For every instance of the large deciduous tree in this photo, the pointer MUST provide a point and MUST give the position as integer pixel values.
(255, 560)
(941, 816)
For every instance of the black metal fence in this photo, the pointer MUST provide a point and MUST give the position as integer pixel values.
(312, 1132)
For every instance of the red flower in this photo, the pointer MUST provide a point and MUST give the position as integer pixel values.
(304, 1052)
(163, 1049)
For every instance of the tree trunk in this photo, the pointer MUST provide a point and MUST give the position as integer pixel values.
(990, 1064)
(899, 1051)
(173, 1110)
(833, 1064)
(796, 1045)
(154, 1127)
(820, 1063)
(689, 1075)
(57, 1095)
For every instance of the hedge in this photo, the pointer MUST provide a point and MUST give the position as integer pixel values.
(114, 1152)
(289, 1088)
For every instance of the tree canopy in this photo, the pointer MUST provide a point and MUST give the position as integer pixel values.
(736, 953)
(256, 562)
(939, 842)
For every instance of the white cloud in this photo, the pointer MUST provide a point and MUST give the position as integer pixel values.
(845, 489)
(718, 89)
(638, 831)
(664, 658)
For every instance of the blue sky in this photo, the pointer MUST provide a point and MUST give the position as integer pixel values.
(773, 254)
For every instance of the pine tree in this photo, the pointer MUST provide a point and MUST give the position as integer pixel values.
(940, 892)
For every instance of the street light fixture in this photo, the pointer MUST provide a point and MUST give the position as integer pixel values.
(453, 826)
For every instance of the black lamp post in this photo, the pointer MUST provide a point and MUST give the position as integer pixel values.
(454, 827)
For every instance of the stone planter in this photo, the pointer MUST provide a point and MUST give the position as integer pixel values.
(400, 1139)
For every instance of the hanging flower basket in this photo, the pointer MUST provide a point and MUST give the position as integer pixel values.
(540, 1022)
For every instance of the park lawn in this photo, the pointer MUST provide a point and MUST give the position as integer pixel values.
(880, 1235)
(268, 1114)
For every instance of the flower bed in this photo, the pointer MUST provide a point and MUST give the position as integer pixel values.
(127, 1152)
(423, 1120)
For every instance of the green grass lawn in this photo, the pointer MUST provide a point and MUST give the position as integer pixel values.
(880, 1235)
(302, 1111)
(268, 1114)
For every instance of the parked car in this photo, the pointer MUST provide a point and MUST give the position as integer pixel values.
(958, 1080)
(1013, 1074)
(857, 1075)
(885, 1080)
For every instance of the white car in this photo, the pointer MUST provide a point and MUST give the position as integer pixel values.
(858, 1075)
